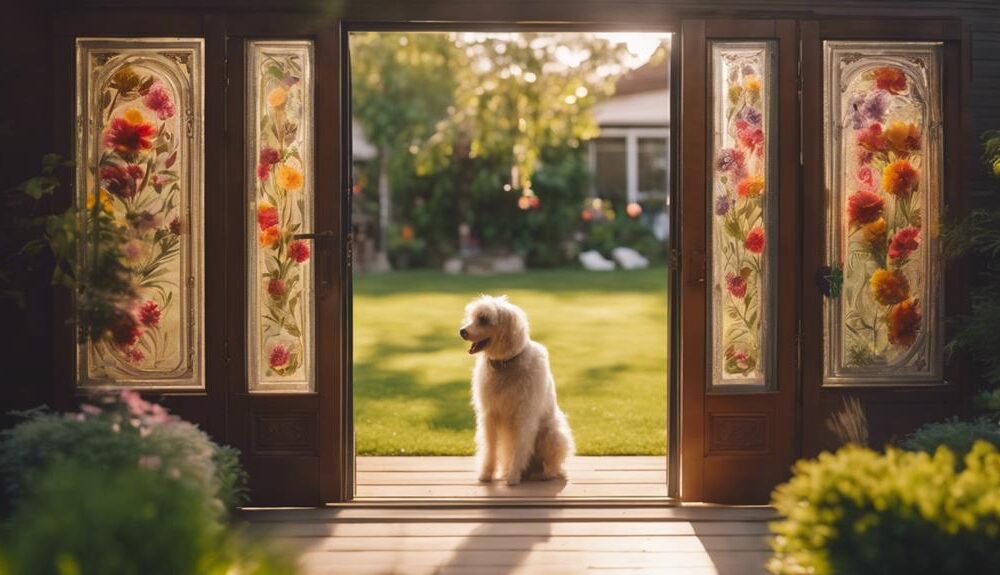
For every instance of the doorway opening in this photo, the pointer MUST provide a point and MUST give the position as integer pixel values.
(532, 164)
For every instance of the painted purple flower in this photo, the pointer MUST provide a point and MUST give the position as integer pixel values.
(722, 205)
(751, 115)
(730, 159)
(866, 109)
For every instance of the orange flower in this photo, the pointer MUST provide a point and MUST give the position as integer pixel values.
(750, 187)
(904, 322)
(874, 233)
(890, 79)
(900, 179)
(889, 287)
(902, 137)
(752, 83)
(289, 178)
(277, 97)
(270, 236)
(406, 233)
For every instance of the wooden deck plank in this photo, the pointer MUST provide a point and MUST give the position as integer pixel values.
(468, 476)
(463, 463)
(536, 543)
(473, 560)
(532, 489)
(699, 513)
(608, 530)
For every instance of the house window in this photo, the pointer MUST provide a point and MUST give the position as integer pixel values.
(652, 161)
(611, 169)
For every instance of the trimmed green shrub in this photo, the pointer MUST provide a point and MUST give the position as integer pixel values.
(119, 432)
(861, 512)
(80, 519)
(958, 436)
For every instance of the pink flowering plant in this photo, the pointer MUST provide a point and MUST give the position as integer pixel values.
(120, 431)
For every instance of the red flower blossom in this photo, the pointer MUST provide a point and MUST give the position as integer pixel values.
(279, 356)
(904, 322)
(267, 158)
(158, 100)
(872, 139)
(263, 171)
(748, 135)
(129, 135)
(904, 242)
(267, 215)
(900, 179)
(755, 240)
(890, 79)
(736, 285)
(298, 251)
(135, 355)
(864, 207)
(866, 178)
(125, 331)
(175, 226)
(149, 314)
(276, 288)
(122, 182)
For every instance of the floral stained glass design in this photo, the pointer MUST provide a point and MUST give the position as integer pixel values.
(741, 212)
(281, 197)
(138, 165)
(883, 169)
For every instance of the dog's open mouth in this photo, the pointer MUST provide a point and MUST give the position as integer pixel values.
(478, 346)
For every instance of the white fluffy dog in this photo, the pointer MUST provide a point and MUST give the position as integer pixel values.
(520, 430)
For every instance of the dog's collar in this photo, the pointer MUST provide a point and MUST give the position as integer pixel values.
(505, 363)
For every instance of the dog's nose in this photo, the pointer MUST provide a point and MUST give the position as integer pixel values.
(464, 333)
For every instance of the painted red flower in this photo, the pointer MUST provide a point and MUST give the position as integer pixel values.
(904, 322)
(299, 251)
(276, 288)
(748, 135)
(149, 314)
(267, 158)
(755, 240)
(263, 171)
(122, 182)
(158, 100)
(864, 207)
(135, 355)
(904, 242)
(267, 215)
(129, 134)
(890, 79)
(279, 356)
(125, 330)
(871, 139)
(736, 285)
(866, 178)
(175, 226)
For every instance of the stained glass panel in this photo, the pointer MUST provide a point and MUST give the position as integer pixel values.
(741, 212)
(139, 111)
(883, 170)
(280, 164)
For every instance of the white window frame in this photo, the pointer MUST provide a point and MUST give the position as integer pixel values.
(632, 136)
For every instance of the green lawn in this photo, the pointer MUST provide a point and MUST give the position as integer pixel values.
(606, 334)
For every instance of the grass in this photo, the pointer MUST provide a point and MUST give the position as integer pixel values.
(607, 339)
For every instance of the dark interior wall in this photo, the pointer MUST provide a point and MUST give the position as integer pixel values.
(28, 103)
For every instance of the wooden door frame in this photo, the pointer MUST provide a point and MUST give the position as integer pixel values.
(912, 403)
(673, 244)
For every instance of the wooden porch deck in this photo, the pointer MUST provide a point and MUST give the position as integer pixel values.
(429, 515)
(605, 478)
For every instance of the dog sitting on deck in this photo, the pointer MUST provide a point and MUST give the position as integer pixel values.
(520, 430)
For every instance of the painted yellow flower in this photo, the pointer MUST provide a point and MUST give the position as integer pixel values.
(269, 237)
(277, 97)
(752, 83)
(902, 137)
(889, 287)
(874, 232)
(106, 202)
(289, 178)
(134, 116)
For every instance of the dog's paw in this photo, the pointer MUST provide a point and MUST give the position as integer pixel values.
(513, 479)
(486, 476)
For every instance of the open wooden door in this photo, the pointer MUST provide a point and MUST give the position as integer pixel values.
(739, 236)
(883, 160)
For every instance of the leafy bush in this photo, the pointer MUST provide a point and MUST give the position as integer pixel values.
(81, 518)
(119, 433)
(606, 229)
(858, 511)
(958, 436)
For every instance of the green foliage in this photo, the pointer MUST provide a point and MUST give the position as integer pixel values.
(609, 229)
(958, 436)
(121, 433)
(81, 518)
(858, 512)
(978, 236)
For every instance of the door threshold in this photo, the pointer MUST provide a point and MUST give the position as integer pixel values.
(501, 502)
